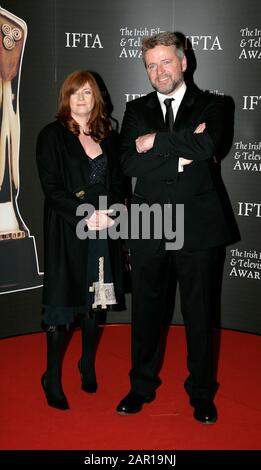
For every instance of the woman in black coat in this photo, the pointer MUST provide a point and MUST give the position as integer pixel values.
(77, 158)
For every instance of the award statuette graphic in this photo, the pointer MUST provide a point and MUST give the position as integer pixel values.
(18, 257)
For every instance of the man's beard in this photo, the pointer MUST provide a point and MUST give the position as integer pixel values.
(168, 88)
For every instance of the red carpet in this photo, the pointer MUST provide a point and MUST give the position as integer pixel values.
(167, 423)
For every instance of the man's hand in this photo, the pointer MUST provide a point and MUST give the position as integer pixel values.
(199, 129)
(145, 142)
(99, 220)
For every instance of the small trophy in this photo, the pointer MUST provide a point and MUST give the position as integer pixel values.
(18, 256)
(104, 294)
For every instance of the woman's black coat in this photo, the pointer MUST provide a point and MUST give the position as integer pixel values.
(64, 170)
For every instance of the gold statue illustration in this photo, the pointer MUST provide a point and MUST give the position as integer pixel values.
(13, 32)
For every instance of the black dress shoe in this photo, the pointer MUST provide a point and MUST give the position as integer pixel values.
(204, 411)
(59, 403)
(89, 386)
(133, 403)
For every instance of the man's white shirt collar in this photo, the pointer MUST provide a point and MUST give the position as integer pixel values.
(177, 95)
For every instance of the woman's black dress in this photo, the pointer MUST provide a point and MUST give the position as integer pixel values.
(99, 288)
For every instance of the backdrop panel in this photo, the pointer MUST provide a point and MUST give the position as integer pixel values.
(105, 37)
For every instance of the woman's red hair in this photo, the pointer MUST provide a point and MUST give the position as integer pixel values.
(99, 123)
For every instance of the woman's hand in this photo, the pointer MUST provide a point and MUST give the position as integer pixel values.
(99, 220)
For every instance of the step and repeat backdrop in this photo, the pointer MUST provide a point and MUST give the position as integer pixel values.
(42, 42)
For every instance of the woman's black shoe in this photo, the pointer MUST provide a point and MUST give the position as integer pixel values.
(60, 403)
(87, 385)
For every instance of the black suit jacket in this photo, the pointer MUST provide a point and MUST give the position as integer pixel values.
(158, 180)
(64, 170)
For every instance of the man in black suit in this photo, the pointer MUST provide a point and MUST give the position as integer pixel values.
(169, 140)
